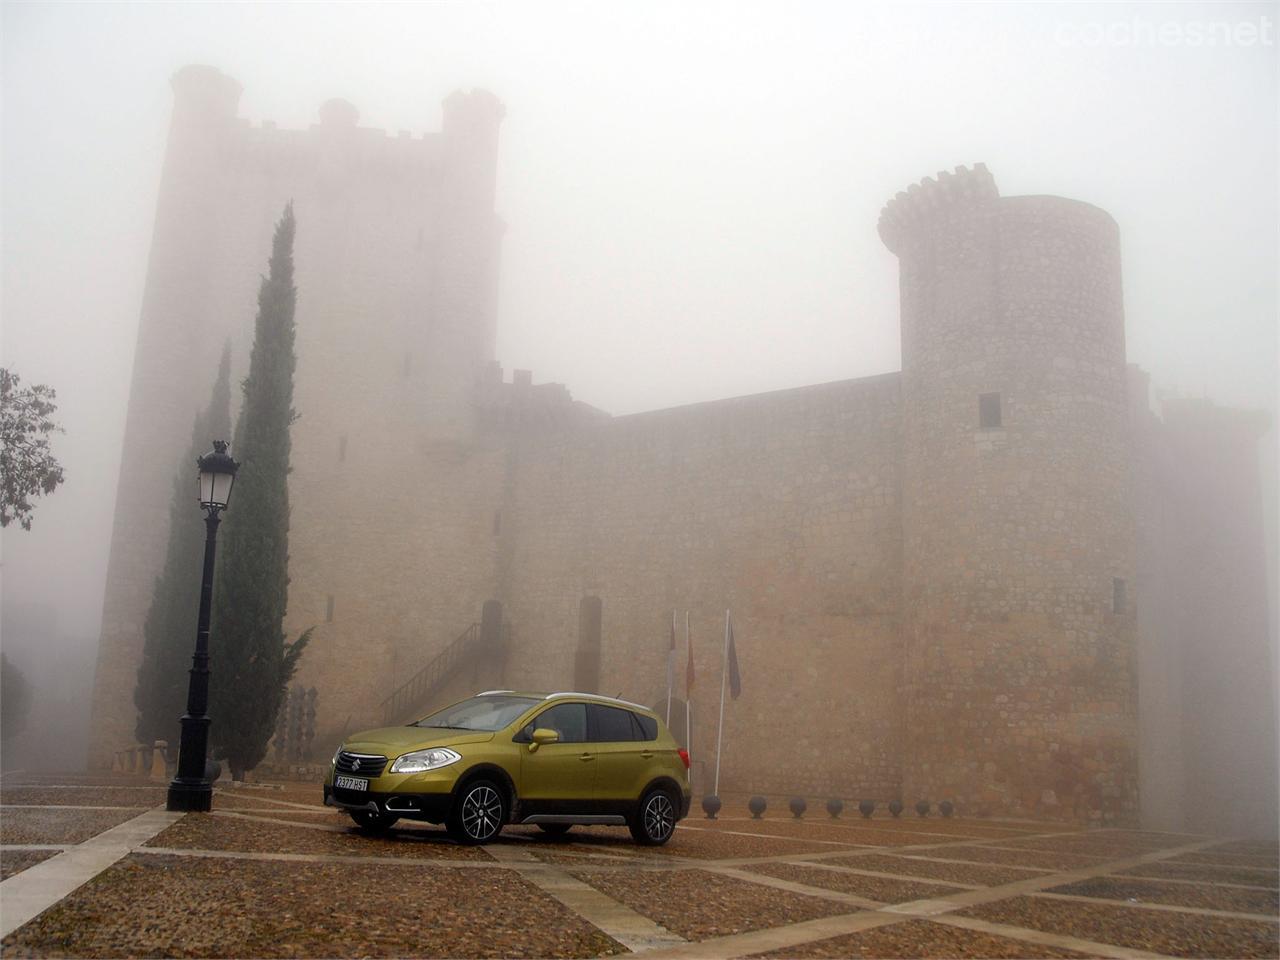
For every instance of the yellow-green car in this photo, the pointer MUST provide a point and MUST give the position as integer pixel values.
(501, 757)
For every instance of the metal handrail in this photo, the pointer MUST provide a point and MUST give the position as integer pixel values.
(414, 690)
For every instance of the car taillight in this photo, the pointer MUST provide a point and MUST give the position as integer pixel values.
(684, 755)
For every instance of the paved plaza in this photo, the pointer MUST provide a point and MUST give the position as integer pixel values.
(94, 867)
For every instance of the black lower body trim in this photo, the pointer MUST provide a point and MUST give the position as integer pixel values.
(431, 807)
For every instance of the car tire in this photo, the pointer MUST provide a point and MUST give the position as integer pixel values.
(654, 821)
(478, 813)
(555, 829)
(371, 822)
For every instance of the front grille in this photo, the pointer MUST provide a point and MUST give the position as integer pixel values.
(360, 764)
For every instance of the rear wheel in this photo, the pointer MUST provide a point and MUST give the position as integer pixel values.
(371, 822)
(555, 829)
(655, 819)
(478, 813)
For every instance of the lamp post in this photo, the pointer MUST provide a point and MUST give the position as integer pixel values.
(191, 789)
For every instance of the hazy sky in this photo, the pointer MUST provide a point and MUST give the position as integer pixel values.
(691, 189)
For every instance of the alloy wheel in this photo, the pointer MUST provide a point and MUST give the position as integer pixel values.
(481, 812)
(659, 817)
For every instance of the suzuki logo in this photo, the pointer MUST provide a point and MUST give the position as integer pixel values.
(355, 764)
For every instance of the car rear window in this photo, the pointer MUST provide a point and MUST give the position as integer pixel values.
(648, 727)
(610, 724)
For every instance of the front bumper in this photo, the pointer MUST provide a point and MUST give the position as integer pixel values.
(432, 807)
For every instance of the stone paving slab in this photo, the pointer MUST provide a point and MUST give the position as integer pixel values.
(875, 890)
(618, 921)
(214, 832)
(1169, 933)
(1264, 902)
(934, 870)
(923, 938)
(35, 889)
(13, 862)
(700, 844)
(776, 886)
(1207, 873)
(122, 796)
(1218, 858)
(55, 825)
(698, 904)
(226, 908)
(1004, 856)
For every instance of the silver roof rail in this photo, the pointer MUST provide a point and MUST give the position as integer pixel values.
(489, 693)
(597, 696)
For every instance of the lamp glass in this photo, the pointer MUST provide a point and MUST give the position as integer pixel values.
(215, 488)
(206, 487)
(222, 488)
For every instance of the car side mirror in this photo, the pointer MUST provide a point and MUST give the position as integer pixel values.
(542, 735)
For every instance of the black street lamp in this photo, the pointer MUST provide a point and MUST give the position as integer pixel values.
(191, 789)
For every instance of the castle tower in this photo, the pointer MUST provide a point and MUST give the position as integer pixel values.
(180, 333)
(396, 262)
(1018, 691)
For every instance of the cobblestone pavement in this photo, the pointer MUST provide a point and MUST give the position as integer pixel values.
(273, 873)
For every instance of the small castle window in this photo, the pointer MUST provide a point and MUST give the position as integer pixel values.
(1118, 595)
(988, 411)
(342, 447)
(328, 609)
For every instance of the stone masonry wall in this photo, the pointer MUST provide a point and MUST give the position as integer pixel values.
(783, 507)
(1018, 681)
(396, 256)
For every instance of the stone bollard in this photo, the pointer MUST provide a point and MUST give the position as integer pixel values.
(132, 755)
(117, 764)
(157, 761)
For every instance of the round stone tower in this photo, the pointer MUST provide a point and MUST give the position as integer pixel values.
(1018, 681)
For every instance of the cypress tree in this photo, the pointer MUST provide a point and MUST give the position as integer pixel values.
(170, 628)
(251, 661)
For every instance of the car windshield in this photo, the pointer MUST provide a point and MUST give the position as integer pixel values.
(479, 713)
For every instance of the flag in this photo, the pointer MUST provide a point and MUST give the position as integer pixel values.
(735, 679)
(688, 670)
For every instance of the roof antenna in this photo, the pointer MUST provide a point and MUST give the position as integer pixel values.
(618, 696)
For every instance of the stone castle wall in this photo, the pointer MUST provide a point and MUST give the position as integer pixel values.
(782, 507)
(924, 605)
(1018, 680)
(396, 260)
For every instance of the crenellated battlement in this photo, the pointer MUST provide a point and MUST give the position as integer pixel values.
(923, 201)
(206, 103)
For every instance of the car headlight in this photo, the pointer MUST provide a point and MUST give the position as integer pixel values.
(420, 761)
(334, 761)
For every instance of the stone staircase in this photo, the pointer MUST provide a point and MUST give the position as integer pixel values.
(480, 643)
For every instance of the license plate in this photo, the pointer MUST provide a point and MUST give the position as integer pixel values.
(351, 783)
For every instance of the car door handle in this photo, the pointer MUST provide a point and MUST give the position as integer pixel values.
(587, 756)
(646, 754)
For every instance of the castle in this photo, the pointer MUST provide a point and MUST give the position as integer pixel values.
(959, 581)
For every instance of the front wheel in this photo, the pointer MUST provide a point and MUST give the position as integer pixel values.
(478, 813)
(371, 822)
(654, 820)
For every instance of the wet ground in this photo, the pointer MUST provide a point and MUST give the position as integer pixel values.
(272, 873)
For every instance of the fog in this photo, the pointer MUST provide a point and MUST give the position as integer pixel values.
(690, 195)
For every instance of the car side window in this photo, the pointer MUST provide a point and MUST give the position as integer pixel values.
(610, 725)
(567, 719)
(647, 727)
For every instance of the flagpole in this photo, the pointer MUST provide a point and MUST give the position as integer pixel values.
(724, 678)
(688, 728)
(671, 665)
